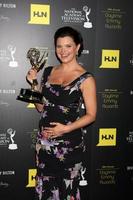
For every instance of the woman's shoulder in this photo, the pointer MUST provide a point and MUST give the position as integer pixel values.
(86, 76)
(85, 72)
(82, 69)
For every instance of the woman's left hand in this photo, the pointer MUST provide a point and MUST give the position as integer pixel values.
(57, 130)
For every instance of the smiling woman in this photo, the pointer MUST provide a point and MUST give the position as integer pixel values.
(66, 49)
(60, 141)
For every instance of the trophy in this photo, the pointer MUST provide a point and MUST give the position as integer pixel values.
(87, 24)
(12, 50)
(11, 132)
(37, 59)
(83, 182)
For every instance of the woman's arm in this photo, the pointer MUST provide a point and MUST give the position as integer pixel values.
(88, 88)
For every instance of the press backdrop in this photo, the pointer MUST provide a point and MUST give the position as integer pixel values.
(106, 27)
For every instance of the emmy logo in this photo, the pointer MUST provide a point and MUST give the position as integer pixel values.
(83, 182)
(87, 24)
(12, 132)
(12, 50)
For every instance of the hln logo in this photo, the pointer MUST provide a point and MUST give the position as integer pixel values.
(110, 59)
(31, 178)
(39, 14)
(107, 137)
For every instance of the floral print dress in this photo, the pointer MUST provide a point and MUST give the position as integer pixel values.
(59, 160)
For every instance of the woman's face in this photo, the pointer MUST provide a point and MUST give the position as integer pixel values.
(66, 49)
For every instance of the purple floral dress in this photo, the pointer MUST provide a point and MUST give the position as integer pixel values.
(59, 160)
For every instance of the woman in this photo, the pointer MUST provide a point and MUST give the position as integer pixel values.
(60, 145)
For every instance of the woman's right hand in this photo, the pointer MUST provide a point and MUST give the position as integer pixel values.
(31, 75)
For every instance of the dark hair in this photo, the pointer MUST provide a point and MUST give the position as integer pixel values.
(71, 32)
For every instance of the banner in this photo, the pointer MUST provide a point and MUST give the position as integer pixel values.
(106, 27)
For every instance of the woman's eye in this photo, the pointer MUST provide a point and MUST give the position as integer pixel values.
(68, 45)
(58, 46)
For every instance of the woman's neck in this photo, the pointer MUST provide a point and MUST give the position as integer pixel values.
(69, 66)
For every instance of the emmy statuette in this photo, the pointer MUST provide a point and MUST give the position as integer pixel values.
(37, 60)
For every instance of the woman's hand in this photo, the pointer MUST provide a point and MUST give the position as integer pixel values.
(57, 130)
(31, 75)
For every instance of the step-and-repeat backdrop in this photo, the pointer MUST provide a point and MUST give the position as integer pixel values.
(106, 27)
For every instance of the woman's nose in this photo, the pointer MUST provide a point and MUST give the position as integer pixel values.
(63, 50)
